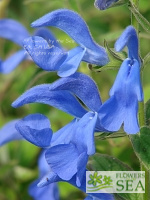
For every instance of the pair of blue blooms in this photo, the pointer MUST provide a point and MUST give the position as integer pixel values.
(120, 108)
(67, 150)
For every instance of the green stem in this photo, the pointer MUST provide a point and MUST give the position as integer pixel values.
(146, 195)
(134, 22)
(141, 114)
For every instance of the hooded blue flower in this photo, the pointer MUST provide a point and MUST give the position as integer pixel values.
(122, 106)
(36, 128)
(46, 184)
(104, 4)
(14, 31)
(65, 156)
(56, 59)
(73, 144)
(9, 133)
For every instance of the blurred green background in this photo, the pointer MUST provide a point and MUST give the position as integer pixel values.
(18, 160)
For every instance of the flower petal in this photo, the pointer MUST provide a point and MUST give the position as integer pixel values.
(131, 125)
(129, 77)
(36, 129)
(84, 133)
(122, 107)
(128, 38)
(48, 36)
(12, 62)
(111, 114)
(64, 19)
(46, 57)
(63, 160)
(72, 62)
(50, 191)
(62, 100)
(64, 135)
(13, 30)
(81, 166)
(49, 178)
(83, 87)
(121, 77)
(134, 81)
(9, 133)
(104, 4)
(43, 166)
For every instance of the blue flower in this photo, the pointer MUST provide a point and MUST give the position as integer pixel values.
(63, 94)
(14, 31)
(66, 156)
(9, 133)
(56, 59)
(47, 183)
(74, 143)
(104, 4)
(36, 128)
(122, 106)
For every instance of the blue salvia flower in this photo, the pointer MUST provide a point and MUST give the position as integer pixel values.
(62, 95)
(65, 155)
(104, 4)
(9, 133)
(66, 63)
(16, 32)
(122, 106)
(36, 128)
(75, 142)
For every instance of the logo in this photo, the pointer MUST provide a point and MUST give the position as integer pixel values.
(115, 182)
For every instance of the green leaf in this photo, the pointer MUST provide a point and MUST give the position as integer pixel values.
(110, 66)
(101, 162)
(139, 17)
(105, 135)
(147, 112)
(141, 145)
(112, 53)
(115, 60)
